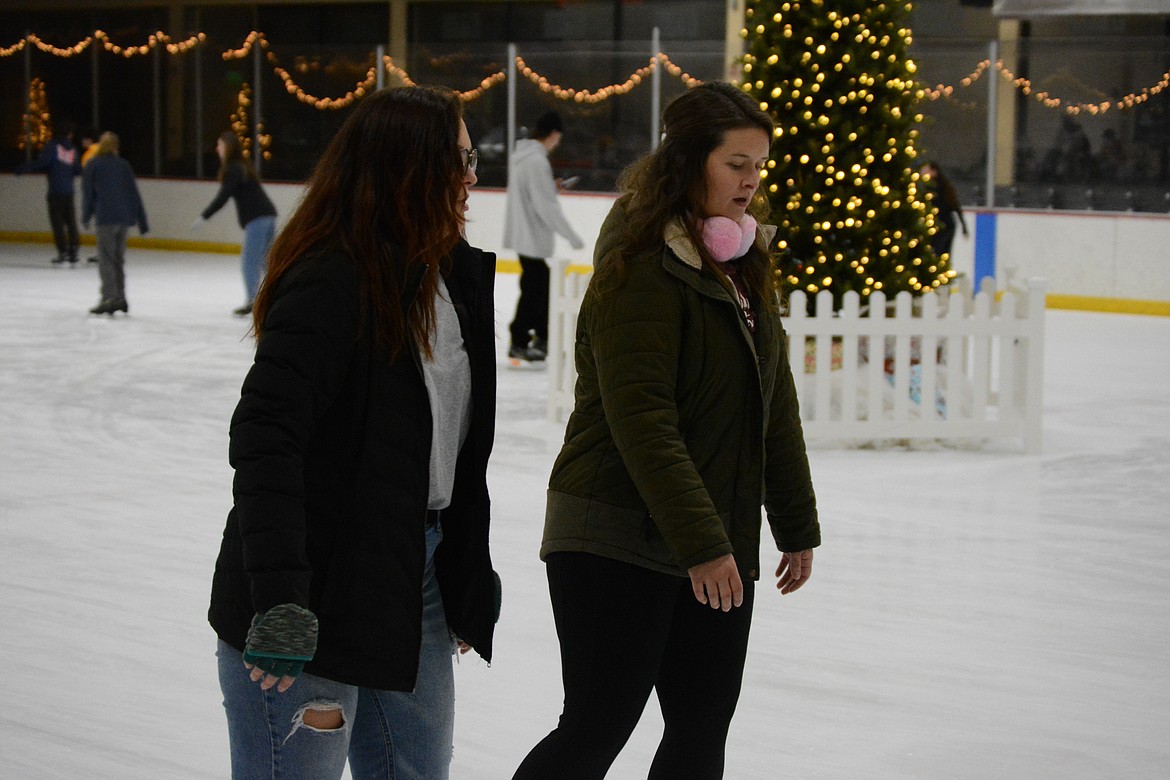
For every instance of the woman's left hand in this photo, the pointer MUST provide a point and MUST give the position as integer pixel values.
(717, 584)
(794, 570)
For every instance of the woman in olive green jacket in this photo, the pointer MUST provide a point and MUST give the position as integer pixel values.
(685, 423)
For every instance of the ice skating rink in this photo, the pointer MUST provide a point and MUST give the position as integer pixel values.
(974, 612)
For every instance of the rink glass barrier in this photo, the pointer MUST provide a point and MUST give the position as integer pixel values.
(169, 109)
(1046, 157)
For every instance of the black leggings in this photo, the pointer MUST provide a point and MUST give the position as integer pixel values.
(625, 630)
(532, 306)
(63, 221)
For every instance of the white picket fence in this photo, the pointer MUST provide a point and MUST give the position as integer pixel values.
(567, 285)
(947, 365)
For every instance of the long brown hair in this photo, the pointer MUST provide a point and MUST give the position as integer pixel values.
(671, 181)
(234, 152)
(386, 192)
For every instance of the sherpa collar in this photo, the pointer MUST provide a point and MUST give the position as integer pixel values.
(676, 237)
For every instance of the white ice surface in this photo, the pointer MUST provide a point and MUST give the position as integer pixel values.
(974, 612)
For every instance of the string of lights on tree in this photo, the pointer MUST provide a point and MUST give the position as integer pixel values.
(241, 127)
(36, 117)
(843, 180)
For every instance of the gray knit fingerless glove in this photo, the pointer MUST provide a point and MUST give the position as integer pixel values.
(282, 639)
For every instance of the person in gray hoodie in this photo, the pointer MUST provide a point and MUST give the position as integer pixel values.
(532, 216)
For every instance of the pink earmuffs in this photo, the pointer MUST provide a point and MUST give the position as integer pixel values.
(727, 239)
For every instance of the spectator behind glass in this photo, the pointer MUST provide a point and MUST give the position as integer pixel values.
(945, 198)
(1111, 159)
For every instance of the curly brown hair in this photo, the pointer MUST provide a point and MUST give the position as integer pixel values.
(671, 181)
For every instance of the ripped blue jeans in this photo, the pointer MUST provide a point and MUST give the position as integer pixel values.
(384, 734)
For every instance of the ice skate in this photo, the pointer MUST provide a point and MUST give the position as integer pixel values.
(110, 307)
(530, 358)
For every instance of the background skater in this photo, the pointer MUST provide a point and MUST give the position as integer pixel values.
(61, 161)
(257, 216)
(110, 197)
(532, 216)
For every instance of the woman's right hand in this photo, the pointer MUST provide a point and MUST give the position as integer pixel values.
(267, 680)
(280, 642)
(716, 583)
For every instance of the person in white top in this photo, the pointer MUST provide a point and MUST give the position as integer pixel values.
(532, 218)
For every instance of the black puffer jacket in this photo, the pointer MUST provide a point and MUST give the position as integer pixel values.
(330, 443)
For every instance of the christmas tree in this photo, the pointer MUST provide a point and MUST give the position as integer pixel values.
(843, 180)
(37, 122)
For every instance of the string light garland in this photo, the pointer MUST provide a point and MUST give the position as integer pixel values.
(249, 41)
(393, 69)
(61, 52)
(182, 47)
(362, 88)
(591, 97)
(323, 104)
(678, 72)
(152, 41)
(810, 100)
(942, 90)
(585, 95)
(8, 51)
(1129, 101)
(332, 104)
(484, 86)
(256, 37)
(57, 51)
(1027, 87)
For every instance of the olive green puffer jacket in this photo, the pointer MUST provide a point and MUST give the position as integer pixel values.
(684, 424)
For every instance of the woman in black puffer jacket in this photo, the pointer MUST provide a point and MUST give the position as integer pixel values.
(356, 557)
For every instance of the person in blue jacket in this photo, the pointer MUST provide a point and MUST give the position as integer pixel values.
(110, 197)
(254, 210)
(61, 161)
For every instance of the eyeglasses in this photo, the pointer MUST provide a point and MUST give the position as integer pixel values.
(470, 159)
